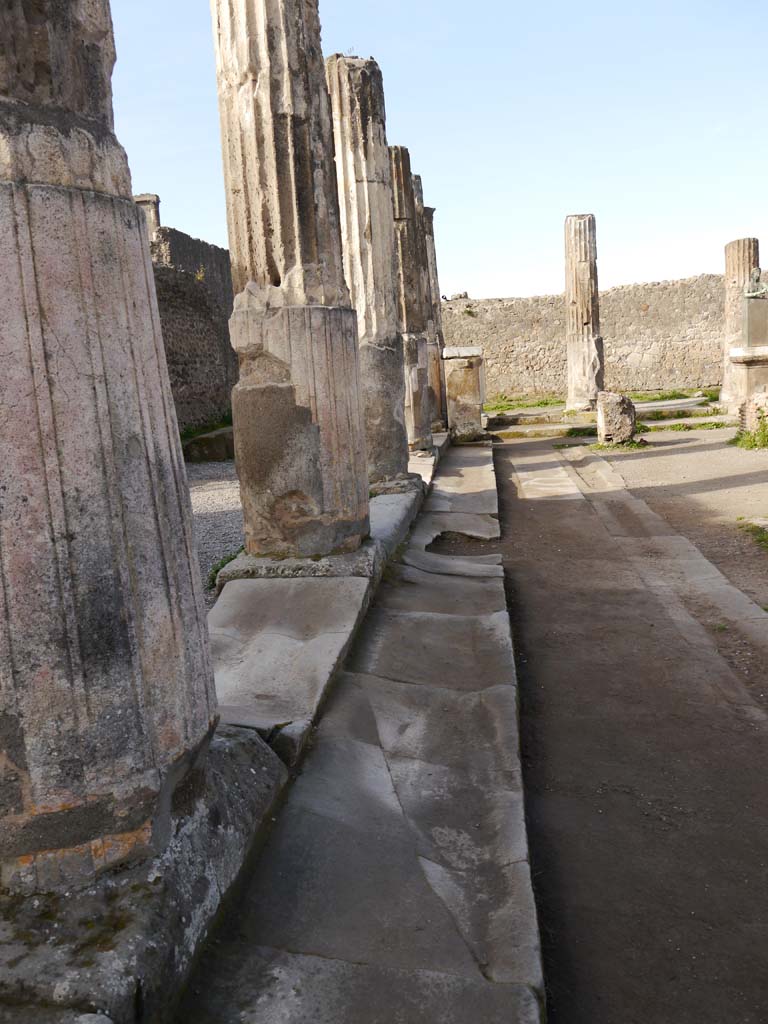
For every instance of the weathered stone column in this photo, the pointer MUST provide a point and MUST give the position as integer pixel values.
(582, 307)
(434, 354)
(412, 318)
(299, 438)
(741, 258)
(150, 207)
(106, 690)
(436, 374)
(368, 242)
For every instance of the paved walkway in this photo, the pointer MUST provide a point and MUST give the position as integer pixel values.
(395, 888)
(644, 752)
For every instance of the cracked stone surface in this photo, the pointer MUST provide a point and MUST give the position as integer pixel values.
(396, 886)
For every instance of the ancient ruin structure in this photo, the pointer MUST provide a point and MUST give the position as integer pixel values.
(742, 257)
(436, 378)
(750, 359)
(412, 302)
(107, 688)
(434, 351)
(299, 433)
(368, 237)
(582, 304)
(465, 392)
(616, 418)
(150, 206)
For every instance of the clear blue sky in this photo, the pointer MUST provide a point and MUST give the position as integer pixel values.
(651, 115)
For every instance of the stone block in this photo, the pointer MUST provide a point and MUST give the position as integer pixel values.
(465, 392)
(616, 418)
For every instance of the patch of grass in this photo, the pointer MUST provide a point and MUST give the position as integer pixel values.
(582, 432)
(190, 432)
(221, 565)
(720, 627)
(758, 533)
(627, 446)
(504, 403)
(711, 425)
(468, 311)
(752, 439)
(659, 396)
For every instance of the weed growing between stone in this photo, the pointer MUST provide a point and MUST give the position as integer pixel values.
(753, 438)
(712, 394)
(582, 432)
(212, 575)
(758, 533)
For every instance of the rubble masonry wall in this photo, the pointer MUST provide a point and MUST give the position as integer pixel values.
(662, 335)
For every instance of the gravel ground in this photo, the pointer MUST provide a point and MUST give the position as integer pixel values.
(218, 515)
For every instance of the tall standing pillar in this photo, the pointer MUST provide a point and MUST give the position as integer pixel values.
(412, 313)
(299, 437)
(368, 242)
(582, 303)
(434, 354)
(106, 689)
(742, 257)
(437, 383)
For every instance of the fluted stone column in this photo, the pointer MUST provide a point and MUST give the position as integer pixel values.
(741, 258)
(106, 689)
(412, 320)
(433, 345)
(368, 242)
(299, 438)
(582, 302)
(437, 383)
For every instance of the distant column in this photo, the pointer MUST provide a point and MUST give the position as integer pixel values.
(368, 239)
(412, 318)
(433, 345)
(741, 258)
(106, 688)
(150, 207)
(299, 437)
(436, 374)
(582, 301)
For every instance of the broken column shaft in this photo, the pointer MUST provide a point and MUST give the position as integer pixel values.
(368, 239)
(582, 302)
(299, 438)
(106, 689)
(412, 313)
(742, 257)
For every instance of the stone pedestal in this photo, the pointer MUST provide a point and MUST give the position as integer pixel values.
(299, 436)
(411, 301)
(750, 359)
(742, 257)
(616, 418)
(465, 392)
(582, 305)
(368, 241)
(106, 694)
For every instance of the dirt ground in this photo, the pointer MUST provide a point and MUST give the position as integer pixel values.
(644, 729)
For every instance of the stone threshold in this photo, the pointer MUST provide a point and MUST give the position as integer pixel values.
(281, 628)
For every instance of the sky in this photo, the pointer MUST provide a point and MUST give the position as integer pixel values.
(651, 116)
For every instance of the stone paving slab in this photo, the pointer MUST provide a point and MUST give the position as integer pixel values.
(277, 643)
(438, 593)
(291, 988)
(416, 647)
(466, 483)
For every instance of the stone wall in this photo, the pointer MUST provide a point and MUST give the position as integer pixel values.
(657, 336)
(209, 264)
(201, 362)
